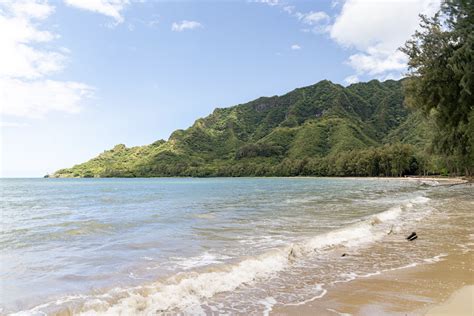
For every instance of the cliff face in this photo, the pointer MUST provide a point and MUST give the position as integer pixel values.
(322, 120)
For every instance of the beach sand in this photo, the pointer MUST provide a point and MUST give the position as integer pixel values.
(443, 285)
(460, 303)
(410, 291)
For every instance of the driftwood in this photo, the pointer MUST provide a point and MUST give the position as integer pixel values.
(412, 236)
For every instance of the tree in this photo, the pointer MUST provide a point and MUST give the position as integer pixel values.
(441, 79)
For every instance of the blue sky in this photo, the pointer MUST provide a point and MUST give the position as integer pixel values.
(79, 76)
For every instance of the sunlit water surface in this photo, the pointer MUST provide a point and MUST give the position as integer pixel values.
(232, 245)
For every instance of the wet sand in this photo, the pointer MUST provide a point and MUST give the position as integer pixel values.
(437, 287)
(381, 273)
(410, 291)
(460, 303)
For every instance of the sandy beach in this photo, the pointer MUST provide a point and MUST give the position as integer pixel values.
(460, 303)
(300, 246)
(432, 289)
(443, 285)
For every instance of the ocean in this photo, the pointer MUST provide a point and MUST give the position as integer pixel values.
(208, 246)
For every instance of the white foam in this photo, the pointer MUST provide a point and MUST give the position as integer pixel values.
(360, 233)
(420, 200)
(268, 302)
(431, 183)
(202, 260)
(435, 259)
(264, 241)
(391, 214)
(188, 292)
(132, 275)
(410, 265)
(319, 287)
(351, 236)
(352, 276)
(338, 313)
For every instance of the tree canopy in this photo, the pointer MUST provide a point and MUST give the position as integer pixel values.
(441, 80)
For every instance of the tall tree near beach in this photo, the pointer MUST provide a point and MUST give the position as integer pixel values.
(441, 80)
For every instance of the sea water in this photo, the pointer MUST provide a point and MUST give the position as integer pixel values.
(202, 246)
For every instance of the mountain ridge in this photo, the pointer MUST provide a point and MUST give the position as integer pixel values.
(320, 121)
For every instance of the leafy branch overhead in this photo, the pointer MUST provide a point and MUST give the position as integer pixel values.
(441, 79)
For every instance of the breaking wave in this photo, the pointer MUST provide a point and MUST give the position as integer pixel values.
(187, 290)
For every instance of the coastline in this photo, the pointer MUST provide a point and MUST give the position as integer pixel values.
(422, 290)
(440, 285)
(448, 180)
(381, 272)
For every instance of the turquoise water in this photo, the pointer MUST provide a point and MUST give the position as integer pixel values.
(195, 245)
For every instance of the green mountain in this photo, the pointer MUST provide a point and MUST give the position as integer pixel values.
(307, 131)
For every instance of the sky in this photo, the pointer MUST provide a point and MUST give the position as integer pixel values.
(80, 76)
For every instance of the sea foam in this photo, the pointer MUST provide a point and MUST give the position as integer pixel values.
(186, 291)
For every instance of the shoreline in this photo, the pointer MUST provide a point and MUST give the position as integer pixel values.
(381, 272)
(446, 179)
(460, 303)
(435, 289)
(432, 286)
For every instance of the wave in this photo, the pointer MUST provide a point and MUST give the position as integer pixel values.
(429, 183)
(186, 291)
(205, 259)
(268, 303)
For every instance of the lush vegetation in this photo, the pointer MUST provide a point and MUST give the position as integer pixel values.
(329, 130)
(321, 130)
(441, 81)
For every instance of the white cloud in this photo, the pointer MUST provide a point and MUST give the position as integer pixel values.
(295, 47)
(27, 58)
(153, 22)
(376, 61)
(289, 9)
(351, 79)
(185, 25)
(313, 17)
(268, 2)
(315, 21)
(30, 9)
(34, 99)
(377, 29)
(18, 57)
(111, 8)
(374, 28)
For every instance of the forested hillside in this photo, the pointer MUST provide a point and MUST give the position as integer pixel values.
(323, 129)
